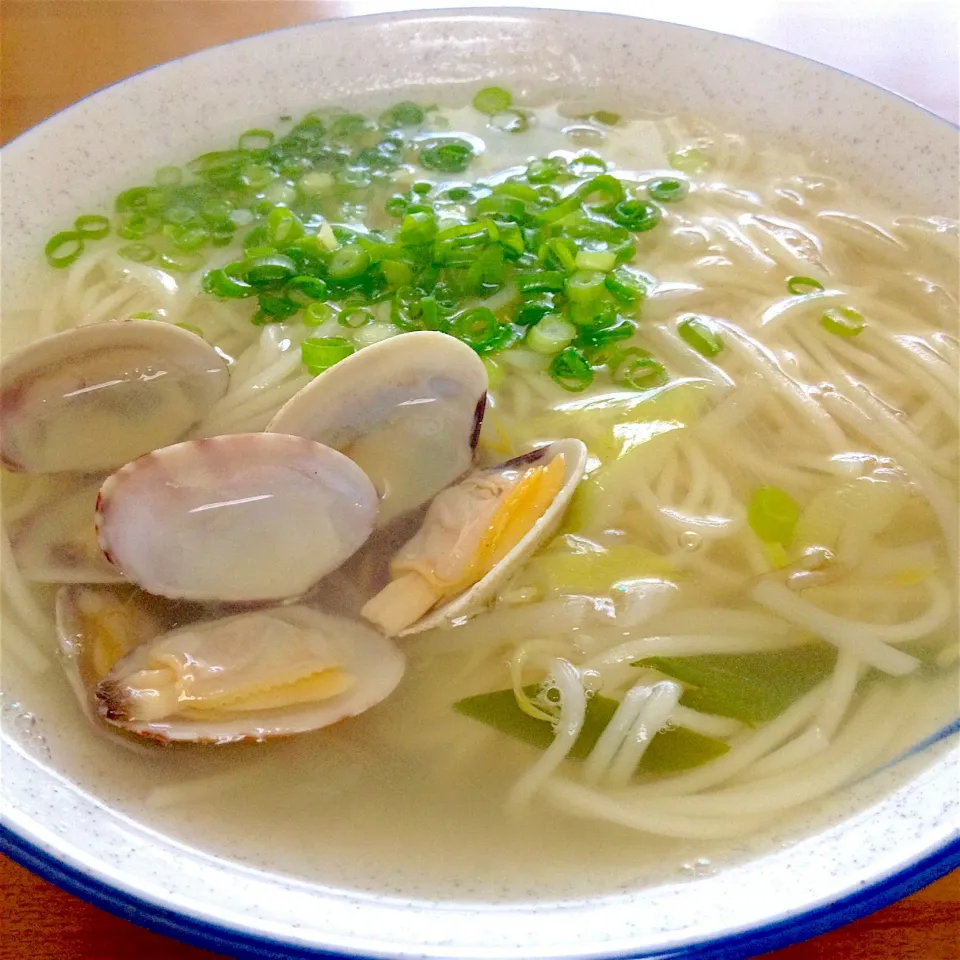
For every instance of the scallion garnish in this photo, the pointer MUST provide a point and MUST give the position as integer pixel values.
(492, 100)
(321, 353)
(636, 369)
(667, 189)
(550, 334)
(843, 321)
(698, 334)
(801, 285)
(773, 515)
(446, 156)
(63, 248)
(570, 369)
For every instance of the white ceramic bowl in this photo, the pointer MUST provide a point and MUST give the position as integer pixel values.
(882, 839)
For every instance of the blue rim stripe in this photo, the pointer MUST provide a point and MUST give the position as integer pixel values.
(736, 946)
(234, 943)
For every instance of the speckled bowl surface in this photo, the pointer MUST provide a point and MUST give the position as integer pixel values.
(883, 838)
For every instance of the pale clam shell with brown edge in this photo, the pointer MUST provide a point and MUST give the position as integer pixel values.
(408, 410)
(242, 518)
(91, 399)
(475, 598)
(374, 662)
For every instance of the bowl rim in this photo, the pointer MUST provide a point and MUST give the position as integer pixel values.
(735, 946)
(739, 945)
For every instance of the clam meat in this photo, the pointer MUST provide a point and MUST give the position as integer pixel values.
(474, 535)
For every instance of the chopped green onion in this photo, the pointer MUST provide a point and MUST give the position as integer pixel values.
(843, 321)
(418, 228)
(316, 314)
(636, 369)
(801, 285)
(182, 262)
(533, 311)
(92, 226)
(269, 268)
(586, 164)
(606, 331)
(354, 319)
(223, 284)
(136, 226)
(321, 353)
(396, 272)
(700, 335)
(636, 215)
(283, 226)
(276, 308)
(422, 187)
(63, 248)
(305, 290)
(688, 160)
(606, 117)
(667, 189)
(626, 285)
(585, 285)
(773, 515)
(137, 252)
(544, 282)
(492, 100)
(602, 260)
(145, 315)
(348, 262)
(595, 313)
(478, 328)
(570, 369)
(404, 114)
(550, 335)
(546, 170)
(447, 156)
(255, 140)
(188, 236)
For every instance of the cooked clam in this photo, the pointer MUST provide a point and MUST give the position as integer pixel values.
(474, 535)
(269, 673)
(407, 410)
(97, 626)
(246, 517)
(93, 398)
(56, 541)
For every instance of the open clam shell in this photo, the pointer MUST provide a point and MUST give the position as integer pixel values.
(441, 538)
(240, 518)
(93, 398)
(407, 410)
(56, 541)
(99, 625)
(258, 675)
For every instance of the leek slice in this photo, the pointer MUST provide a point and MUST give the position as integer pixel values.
(751, 687)
(670, 751)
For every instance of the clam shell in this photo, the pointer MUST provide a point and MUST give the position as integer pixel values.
(407, 410)
(56, 542)
(90, 399)
(474, 598)
(240, 518)
(75, 604)
(235, 648)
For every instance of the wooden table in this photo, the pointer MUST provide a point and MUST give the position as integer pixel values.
(55, 51)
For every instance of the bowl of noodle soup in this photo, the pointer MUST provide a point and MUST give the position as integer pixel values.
(713, 711)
